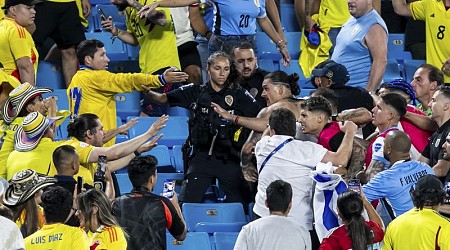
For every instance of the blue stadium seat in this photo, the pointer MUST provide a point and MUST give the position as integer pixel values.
(225, 240)
(175, 132)
(303, 82)
(392, 71)
(212, 227)
(49, 74)
(178, 111)
(128, 104)
(161, 152)
(115, 51)
(193, 241)
(195, 213)
(120, 137)
(266, 48)
(95, 2)
(410, 67)
(124, 182)
(92, 24)
(177, 154)
(288, 17)
(396, 47)
(293, 46)
(119, 18)
(133, 52)
(267, 65)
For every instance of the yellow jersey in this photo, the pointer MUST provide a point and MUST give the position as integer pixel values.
(158, 43)
(92, 91)
(84, 151)
(15, 43)
(418, 229)
(332, 14)
(2, 14)
(111, 238)
(437, 30)
(7, 137)
(57, 236)
(38, 159)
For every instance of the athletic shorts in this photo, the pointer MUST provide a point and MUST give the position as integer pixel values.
(59, 21)
(188, 54)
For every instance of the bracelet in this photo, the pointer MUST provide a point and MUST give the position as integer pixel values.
(280, 46)
(114, 36)
(236, 119)
(136, 153)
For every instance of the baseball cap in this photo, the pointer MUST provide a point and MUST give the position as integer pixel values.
(429, 183)
(335, 72)
(9, 3)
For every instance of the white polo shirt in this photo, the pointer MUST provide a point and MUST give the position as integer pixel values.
(292, 163)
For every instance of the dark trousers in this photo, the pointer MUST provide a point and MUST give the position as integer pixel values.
(204, 170)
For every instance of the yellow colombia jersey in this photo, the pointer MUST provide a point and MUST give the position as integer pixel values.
(2, 3)
(418, 229)
(333, 13)
(7, 133)
(15, 42)
(437, 21)
(111, 238)
(158, 43)
(38, 159)
(92, 91)
(84, 151)
(57, 236)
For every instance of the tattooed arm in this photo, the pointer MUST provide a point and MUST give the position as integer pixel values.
(248, 169)
(358, 157)
(374, 168)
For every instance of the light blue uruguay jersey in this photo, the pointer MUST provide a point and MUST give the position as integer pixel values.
(237, 17)
(395, 184)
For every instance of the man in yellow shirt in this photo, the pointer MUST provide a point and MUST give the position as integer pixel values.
(58, 206)
(34, 146)
(151, 35)
(19, 56)
(86, 136)
(422, 227)
(437, 20)
(93, 88)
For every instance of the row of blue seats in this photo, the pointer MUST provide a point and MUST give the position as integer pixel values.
(201, 240)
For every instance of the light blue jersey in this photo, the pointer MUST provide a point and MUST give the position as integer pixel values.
(395, 183)
(351, 51)
(237, 17)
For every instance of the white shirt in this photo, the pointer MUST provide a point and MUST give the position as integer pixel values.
(273, 232)
(292, 163)
(183, 29)
(10, 238)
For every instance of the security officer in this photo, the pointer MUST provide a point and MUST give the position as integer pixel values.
(216, 141)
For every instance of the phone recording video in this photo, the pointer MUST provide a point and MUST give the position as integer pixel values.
(355, 185)
(169, 188)
(102, 14)
(80, 183)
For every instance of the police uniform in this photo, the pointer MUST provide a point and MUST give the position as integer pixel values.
(216, 142)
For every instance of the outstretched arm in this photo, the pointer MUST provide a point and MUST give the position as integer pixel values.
(401, 8)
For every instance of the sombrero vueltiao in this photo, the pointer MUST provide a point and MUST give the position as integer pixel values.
(23, 185)
(28, 136)
(18, 98)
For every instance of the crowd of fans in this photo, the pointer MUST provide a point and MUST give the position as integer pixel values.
(356, 164)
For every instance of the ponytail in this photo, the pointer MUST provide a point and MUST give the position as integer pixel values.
(350, 204)
(293, 83)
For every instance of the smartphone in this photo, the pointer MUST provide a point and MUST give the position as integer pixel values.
(355, 185)
(102, 14)
(101, 167)
(169, 188)
(80, 183)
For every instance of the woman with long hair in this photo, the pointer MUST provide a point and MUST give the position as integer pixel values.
(94, 212)
(356, 233)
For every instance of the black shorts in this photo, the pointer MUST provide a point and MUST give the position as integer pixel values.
(188, 54)
(59, 21)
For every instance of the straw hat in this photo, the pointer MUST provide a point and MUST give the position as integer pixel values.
(24, 184)
(18, 98)
(28, 136)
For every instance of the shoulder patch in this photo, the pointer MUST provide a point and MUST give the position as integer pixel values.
(377, 146)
